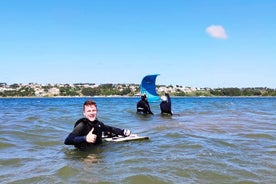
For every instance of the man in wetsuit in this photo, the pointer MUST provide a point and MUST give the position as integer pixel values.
(165, 105)
(143, 106)
(89, 130)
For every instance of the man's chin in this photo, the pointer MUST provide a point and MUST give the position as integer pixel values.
(91, 119)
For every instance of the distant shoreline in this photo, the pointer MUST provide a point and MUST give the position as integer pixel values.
(122, 90)
(134, 97)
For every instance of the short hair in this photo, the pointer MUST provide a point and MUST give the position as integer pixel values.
(89, 103)
(144, 96)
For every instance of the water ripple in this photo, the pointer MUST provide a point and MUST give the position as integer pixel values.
(208, 140)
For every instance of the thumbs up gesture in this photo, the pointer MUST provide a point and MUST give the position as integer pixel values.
(91, 138)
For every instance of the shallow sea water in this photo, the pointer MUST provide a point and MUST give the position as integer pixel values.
(208, 140)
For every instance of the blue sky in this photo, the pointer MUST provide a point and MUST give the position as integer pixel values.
(211, 43)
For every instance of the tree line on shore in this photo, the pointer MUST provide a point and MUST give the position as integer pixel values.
(16, 90)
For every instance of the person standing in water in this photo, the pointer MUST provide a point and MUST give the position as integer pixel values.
(143, 106)
(88, 131)
(166, 105)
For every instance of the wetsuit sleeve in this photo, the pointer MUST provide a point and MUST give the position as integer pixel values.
(113, 130)
(140, 106)
(169, 98)
(169, 103)
(148, 108)
(162, 107)
(76, 136)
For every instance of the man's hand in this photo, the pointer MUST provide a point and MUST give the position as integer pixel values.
(127, 132)
(91, 138)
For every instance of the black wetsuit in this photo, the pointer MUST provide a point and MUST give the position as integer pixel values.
(83, 126)
(143, 107)
(165, 106)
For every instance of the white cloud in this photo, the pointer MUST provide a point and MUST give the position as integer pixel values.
(216, 31)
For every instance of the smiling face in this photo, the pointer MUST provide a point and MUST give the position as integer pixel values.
(90, 112)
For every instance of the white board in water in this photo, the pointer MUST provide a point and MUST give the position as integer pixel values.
(132, 137)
